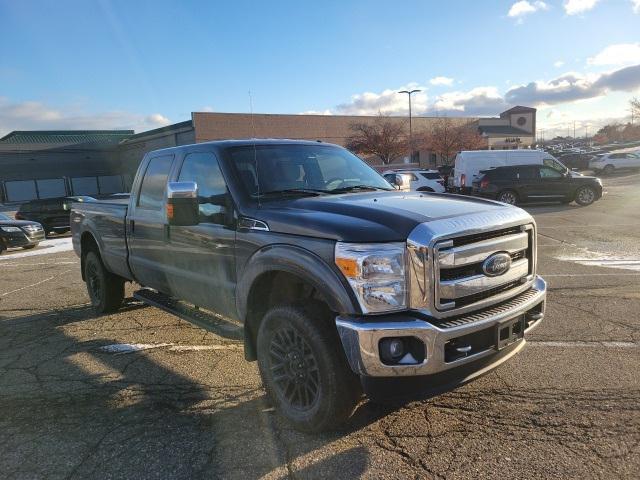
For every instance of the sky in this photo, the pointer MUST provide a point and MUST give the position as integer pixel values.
(93, 64)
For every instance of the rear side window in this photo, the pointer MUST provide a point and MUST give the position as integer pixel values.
(154, 182)
(527, 173)
(430, 175)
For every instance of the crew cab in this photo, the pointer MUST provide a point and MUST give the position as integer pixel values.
(342, 282)
(537, 183)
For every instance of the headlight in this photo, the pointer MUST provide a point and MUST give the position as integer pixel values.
(10, 229)
(376, 272)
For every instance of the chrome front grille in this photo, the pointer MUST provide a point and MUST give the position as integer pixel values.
(459, 280)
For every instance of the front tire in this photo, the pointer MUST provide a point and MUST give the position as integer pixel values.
(304, 369)
(585, 196)
(608, 170)
(508, 196)
(105, 289)
(29, 247)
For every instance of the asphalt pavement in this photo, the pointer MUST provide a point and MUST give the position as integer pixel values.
(142, 394)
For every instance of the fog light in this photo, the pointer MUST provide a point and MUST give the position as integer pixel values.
(391, 349)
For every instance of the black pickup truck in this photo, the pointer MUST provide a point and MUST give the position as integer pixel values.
(341, 281)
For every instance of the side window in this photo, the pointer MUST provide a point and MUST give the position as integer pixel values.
(154, 182)
(550, 162)
(546, 172)
(203, 168)
(528, 173)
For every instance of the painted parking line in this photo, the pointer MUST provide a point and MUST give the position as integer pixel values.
(581, 344)
(124, 348)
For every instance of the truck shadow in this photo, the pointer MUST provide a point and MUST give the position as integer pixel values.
(71, 409)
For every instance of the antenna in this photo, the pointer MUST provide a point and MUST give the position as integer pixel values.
(255, 152)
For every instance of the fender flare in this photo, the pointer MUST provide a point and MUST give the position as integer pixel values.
(299, 262)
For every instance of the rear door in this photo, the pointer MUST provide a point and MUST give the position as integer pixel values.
(203, 257)
(147, 225)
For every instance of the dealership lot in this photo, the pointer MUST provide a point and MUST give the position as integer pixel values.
(142, 394)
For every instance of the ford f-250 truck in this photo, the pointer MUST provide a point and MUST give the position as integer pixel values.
(341, 281)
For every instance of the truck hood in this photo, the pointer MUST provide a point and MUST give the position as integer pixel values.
(367, 217)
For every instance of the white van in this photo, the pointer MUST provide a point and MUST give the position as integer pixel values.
(468, 164)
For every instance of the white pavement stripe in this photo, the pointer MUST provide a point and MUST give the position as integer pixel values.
(34, 284)
(37, 264)
(122, 348)
(588, 275)
(564, 227)
(578, 344)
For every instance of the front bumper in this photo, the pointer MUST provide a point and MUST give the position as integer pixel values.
(361, 336)
(21, 239)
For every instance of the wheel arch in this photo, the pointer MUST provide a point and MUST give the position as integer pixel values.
(277, 274)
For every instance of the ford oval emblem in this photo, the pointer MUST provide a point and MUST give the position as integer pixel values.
(497, 264)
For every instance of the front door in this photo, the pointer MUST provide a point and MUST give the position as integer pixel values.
(203, 255)
(553, 184)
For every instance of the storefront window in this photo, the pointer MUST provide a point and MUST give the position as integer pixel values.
(51, 188)
(85, 186)
(21, 191)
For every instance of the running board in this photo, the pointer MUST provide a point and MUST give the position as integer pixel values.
(201, 318)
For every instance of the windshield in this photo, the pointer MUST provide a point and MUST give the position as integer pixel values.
(303, 169)
(4, 217)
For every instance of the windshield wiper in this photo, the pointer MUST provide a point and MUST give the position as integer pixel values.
(294, 191)
(359, 187)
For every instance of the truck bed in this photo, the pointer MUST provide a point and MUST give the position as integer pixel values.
(106, 221)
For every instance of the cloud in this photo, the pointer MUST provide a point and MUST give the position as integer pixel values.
(524, 7)
(478, 101)
(441, 81)
(558, 63)
(575, 7)
(571, 87)
(619, 54)
(388, 102)
(635, 5)
(30, 115)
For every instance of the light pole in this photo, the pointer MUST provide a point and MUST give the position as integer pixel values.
(409, 92)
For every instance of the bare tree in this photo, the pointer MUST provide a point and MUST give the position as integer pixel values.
(634, 107)
(383, 138)
(446, 138)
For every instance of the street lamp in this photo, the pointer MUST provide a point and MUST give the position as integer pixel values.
(409, 92)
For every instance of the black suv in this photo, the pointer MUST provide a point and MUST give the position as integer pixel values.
(531, 183)
(52, 213)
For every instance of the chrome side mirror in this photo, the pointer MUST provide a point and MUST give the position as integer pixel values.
(182, 203)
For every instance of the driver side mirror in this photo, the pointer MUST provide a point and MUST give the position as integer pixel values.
(182, 204)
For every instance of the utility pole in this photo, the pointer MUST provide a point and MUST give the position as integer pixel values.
(574, 129)
(409, 92)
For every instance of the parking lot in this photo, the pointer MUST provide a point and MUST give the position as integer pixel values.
(142, 394)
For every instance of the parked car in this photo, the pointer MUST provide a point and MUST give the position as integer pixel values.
(19, 233)
(527, 183)
(468, 164)
(52, 213)
(341, 281)
(420, 180)
(611, 162)
(579, 161)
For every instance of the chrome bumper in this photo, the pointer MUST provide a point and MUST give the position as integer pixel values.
(361, 337)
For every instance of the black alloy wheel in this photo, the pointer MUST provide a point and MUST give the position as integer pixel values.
(294, 369)
(508, 196)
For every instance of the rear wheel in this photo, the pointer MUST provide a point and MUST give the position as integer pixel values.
(508, 196)
(585, 196)
(304, 369)
(106, 290)
(29, 247)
